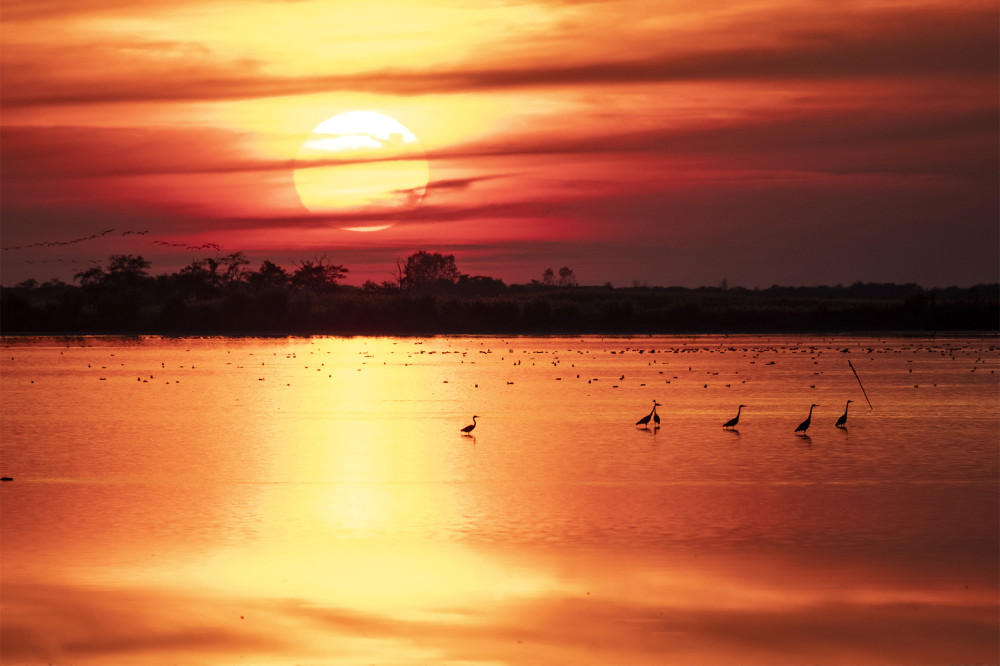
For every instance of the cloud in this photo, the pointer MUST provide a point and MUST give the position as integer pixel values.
(461, 183)
(67, 151)
(900, 43)
(16, 12)
(906, 138)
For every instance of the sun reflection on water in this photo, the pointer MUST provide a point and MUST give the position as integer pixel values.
(404, 580)
(312, 501)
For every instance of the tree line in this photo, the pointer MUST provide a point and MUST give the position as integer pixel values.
(428, 294)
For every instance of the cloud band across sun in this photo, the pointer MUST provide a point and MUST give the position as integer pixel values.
(381, 169)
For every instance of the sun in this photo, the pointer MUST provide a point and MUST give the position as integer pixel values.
(363, 169)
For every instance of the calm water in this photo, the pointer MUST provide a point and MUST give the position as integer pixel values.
(312, 501)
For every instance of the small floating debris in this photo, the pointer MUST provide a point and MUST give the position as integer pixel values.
(6, 478)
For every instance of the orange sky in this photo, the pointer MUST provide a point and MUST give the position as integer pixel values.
(683, 142)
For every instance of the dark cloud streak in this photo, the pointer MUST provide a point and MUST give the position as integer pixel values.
(772, 139)
(907, 44)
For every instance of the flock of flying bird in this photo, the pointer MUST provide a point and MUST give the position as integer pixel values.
(73, 241)
(731, 423)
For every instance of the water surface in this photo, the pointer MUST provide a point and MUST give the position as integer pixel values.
(311, 500)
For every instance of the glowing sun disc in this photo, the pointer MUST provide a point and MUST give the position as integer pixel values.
(361, 167)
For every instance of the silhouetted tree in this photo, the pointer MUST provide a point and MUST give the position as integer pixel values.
(480, 285)
(89, 278)
(115, 294)
(548, 277)
(318, 274)
(566, 277)
(200, 278)
(384, 287)
(128, 267)
(124, 271)
(233, 263)
(120, 296)
(270, 276)
(429, 269)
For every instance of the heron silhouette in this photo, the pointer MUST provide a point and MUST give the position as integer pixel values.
(805, 424)
(842, 421)
(644, 421)
(469, 428)
(731, 423)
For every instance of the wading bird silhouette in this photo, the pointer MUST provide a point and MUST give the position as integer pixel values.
(805, 424)
(842, 421)
(731, 423)
(468, 429)
(644, 421)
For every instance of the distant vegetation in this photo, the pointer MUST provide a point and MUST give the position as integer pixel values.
(430, 295)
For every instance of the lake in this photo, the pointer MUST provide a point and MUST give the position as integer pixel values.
(313, 501)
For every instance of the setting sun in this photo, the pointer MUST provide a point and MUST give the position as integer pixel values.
(363, 169)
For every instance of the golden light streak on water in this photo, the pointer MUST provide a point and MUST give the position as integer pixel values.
(275, 501)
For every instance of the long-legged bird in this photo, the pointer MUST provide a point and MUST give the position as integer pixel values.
(644, 421)
(467, 429)
(731, 423)
(842, 421)
(805, 424)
